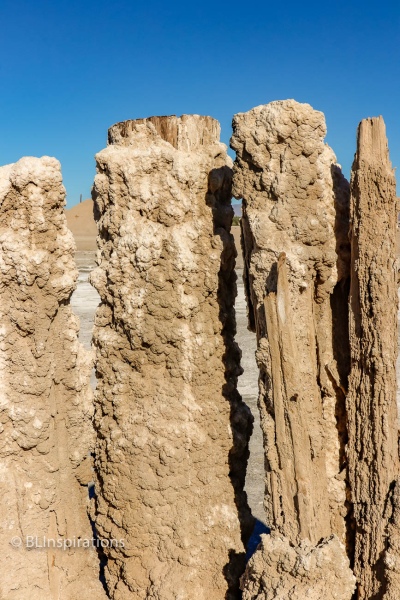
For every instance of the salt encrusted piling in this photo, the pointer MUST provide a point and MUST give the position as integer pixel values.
(371, 402)
(296, 254)
(46, 402)
(293, 198)
(172, 430)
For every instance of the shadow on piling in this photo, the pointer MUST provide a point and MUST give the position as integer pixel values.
(240, 416)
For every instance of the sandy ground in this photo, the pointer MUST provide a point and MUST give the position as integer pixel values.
(85, 299)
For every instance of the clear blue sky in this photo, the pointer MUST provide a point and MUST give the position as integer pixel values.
(69, 69)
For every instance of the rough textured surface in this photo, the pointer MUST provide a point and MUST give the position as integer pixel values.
(172, 430)
(278, 571)
(371, 403)
(391, 588)
(294, 226)
(46, 402)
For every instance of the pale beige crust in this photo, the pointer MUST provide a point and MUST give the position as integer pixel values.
(46, 400)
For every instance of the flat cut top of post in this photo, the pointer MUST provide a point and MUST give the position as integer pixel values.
(372, 145)
(183, 133)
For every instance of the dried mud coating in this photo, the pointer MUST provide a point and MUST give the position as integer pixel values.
(371, 403)
(279, 571)
(46, 402)
(172, 431)
(294, 226)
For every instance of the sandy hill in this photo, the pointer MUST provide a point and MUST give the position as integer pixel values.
(81, 222)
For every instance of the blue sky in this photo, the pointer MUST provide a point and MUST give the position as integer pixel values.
(70, 69)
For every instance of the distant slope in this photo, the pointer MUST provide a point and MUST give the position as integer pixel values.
(80, 219)
(81, 222)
